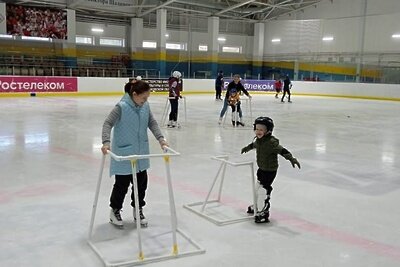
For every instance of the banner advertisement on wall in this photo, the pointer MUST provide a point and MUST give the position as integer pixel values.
(255, 85)
(157, 84)
(19, 84)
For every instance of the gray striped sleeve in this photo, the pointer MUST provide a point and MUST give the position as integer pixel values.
(154, 128)
(110, 121)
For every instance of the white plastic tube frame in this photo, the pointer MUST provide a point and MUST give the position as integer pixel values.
(141, 259)
(166, 108)
(249, 110)
(221, 173)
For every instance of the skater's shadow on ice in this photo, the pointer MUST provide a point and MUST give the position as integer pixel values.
(274, 226)
(107, 231)
(283, 230)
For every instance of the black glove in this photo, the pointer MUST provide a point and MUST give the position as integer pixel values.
(245, 150)
(295, 162)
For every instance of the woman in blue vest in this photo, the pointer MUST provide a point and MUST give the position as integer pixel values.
(130, 119)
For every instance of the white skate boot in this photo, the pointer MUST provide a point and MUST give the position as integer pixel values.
(143, 220)
(115, 218)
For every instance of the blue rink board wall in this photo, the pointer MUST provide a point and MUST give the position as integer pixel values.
(114, 86)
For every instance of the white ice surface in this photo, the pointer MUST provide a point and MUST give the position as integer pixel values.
(340, 209)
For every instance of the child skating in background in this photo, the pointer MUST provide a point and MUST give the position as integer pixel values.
(234, 102)
(278, 87)
(267, 150)
(238, 86)
(175, 87)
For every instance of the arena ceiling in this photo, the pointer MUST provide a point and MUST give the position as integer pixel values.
(239, 10)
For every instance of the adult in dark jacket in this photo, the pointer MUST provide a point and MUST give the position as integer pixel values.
(287, 85)
(238, 86)
(219, 84)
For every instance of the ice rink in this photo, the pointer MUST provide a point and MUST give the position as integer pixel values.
(340, 209)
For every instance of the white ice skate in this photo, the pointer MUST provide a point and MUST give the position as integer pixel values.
(176, 125)
(115, 218)
(261, 215)
(143, 220)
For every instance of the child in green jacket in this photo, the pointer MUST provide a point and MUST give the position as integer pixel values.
(267, 150)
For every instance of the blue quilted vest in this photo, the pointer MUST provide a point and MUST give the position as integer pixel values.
(130, 136)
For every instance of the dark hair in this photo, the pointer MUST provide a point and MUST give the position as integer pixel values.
(128, 87)
(139, 87)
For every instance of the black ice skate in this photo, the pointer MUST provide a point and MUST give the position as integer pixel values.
(143, 220)
(115, 218)
(250, 209)
(262, 217)
(240, 123)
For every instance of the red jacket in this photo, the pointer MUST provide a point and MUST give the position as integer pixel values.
(278, 84)
(175, 86)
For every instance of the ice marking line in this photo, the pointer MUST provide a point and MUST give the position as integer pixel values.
(32, 191)
(347, 238)
(324, 231)
(284, 218)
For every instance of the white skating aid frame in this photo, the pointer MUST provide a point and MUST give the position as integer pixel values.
(248, 114)
(166, 108)
(224, 162)
(141, 258)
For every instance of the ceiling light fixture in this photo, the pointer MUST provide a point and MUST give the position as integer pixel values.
(97, 30)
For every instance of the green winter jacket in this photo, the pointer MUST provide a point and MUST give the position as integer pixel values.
(267, 150)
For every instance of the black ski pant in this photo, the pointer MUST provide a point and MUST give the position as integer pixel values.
(121, 186)
(218, 91)
(173, 115)
(284, 93)
(266, 178)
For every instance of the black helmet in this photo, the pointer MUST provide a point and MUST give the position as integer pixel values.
(268, 122)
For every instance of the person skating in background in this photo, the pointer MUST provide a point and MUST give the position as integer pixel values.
(287, 85)
(175, 87)
(278, 87)
(219, 84)
(267, 150)
(130, 119)
(238, 86)
(234, 102)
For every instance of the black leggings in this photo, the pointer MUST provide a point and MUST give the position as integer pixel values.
(284, 93)
(121, 186)
(173, 115)
(266, 179)
(218, 91)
